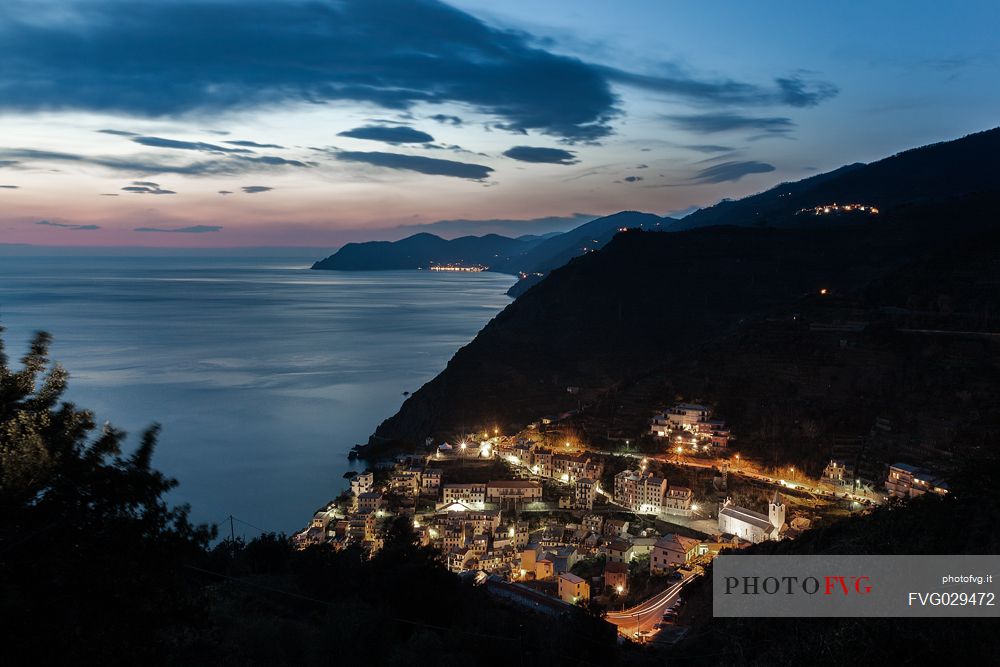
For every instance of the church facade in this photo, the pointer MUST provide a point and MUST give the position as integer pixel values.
(753, 526)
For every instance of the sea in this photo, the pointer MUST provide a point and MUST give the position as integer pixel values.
(262, 373)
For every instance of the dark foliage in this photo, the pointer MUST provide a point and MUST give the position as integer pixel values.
(91, 556)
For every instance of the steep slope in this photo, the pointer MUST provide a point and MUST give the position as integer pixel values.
(936, 172)
(649, 300)
(591, 236)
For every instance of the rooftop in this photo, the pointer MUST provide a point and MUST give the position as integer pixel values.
(571, 578)
(747, 516)
(509, 483)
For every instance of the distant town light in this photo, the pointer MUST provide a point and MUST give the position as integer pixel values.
(694, 508)
(824, 291)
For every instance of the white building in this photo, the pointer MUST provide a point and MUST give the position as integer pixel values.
(672, 550)
(473, 495)
(687, 415)
(362, 483)
(753, 526)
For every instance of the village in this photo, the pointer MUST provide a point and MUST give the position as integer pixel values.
(549, 523)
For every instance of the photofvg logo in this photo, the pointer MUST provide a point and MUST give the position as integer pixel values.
(831, 586)
(788, 585)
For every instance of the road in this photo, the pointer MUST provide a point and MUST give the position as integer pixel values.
(648, 613)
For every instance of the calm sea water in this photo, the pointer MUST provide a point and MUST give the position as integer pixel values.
(262, 373)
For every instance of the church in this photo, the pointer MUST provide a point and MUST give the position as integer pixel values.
(753, 526)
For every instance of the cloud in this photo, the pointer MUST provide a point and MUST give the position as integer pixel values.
(731, 171)
(252, 144)
(160, 142)
(10, 187)
(194, 229)
(172, 59)
(120, 133)
(632, 179)
(144, 164)
(399, 134)
(505, 226)
(708, 148)
(423, 165)
(794, 90)
(447, 119)
(147, 188)
(63, 225)
(225, 192)
(254, 189)
(711, 123)
(538, 154)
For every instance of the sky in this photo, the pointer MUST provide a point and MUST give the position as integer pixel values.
(231, 123)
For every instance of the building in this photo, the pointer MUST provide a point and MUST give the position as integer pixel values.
(615, 528)
(753, 526)
(571, 467)
(405, 482)
(649, 494)
(671, 551)
(544, 568)
(907, 481)
(836, 474)
(585, 492)
(513, 490)
(687, 415)
(593, 522)
(645, 493)
(619, 551)
(370, 501)
(430, 481)
(616, 576)
(677, 500)
(362, 483)
(473, 495)
(573, 589)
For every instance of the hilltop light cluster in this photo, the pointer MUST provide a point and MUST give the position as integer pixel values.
(828, 209)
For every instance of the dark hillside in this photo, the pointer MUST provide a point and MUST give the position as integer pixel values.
(929, 173)
(648, 302)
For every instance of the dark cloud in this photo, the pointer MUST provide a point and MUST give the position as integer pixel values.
(10, 187)
(252, 144)
(505, 226)
(731, 171)
(147, 188)
(632, 179)
(794, 90)
(711, 123)
(254, 189)
(120, 133)
(158, 59)
(108, 194)
(538, 154)
(230, 164)
(225, 192)
(194, 229)
(160, 142)
(708, 148)
(446, 119)
(63, 225)
(423, 165)
(799, 92)
(398, 134)
(642, 166)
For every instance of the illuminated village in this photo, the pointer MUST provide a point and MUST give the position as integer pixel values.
(547, 522)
